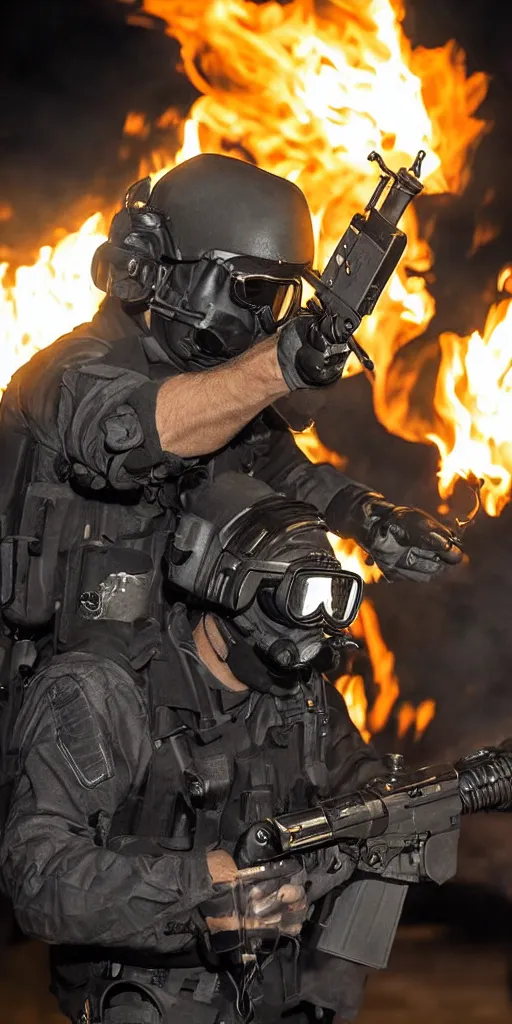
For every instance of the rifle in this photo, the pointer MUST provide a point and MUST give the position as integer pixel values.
(368, 253)
(402, 825)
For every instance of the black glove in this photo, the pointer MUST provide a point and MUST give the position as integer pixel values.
(310, 351)
(406, 543)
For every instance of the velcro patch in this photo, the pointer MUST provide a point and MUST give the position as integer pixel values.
(79, 735)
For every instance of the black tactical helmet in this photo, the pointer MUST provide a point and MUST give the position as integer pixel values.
(263, 565)
(215, 251)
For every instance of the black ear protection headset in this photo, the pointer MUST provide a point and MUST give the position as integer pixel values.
(136, 259)
(138, 262)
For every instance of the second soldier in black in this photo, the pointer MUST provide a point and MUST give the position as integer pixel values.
(145, 754)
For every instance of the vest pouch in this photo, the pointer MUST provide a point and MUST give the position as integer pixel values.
(34, 554)
(16, 462)
(7, 551)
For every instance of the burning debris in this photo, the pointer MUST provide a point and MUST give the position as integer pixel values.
(307, 94)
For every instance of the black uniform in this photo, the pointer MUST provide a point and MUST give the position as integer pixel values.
(80, 451)
(103, 846)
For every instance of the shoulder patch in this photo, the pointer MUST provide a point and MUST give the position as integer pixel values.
(79, 735)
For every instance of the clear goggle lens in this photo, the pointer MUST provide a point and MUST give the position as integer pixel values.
(337, 596)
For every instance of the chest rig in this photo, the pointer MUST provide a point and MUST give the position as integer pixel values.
(217, 765)
(220, 763)
(51, 514)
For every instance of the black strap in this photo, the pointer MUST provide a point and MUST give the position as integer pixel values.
(189, 760)
(16, 664)
(316, 722)
(308, 708)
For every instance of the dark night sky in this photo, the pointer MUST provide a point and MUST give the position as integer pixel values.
(69, 73)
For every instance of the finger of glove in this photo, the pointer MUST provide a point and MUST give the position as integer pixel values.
(452, 555)
(274, 875)
(438, 540)
(328, 326)
(418, 571)
(315, 367)
(293, 919)
(419, 560)
(332, 350)
(288, 894)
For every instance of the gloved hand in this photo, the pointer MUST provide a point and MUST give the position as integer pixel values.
(310, 350)
(406, 543)
(257, 904)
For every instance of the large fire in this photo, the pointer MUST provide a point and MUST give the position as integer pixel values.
(306, 90)
(473, 403)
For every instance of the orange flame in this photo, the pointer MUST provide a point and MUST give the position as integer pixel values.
(353, 691)
(307, 95)
(49, 298)
(306, 91)
(312, 447)
(473, 403)
(372, 720)
(136, 124)
(419, 718)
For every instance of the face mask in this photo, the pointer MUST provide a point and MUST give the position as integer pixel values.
(214, 309)
(288, 647)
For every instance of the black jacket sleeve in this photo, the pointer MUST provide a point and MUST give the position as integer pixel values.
(92, 402)
(84, 749)
(287, 470)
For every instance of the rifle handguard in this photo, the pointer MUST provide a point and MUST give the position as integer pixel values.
(403, 811)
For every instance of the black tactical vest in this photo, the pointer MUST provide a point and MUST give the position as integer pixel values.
(48, 520)
(218, 765)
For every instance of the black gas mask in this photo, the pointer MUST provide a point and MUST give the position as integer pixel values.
(214, 309)
(215, 251)
(262, 565)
